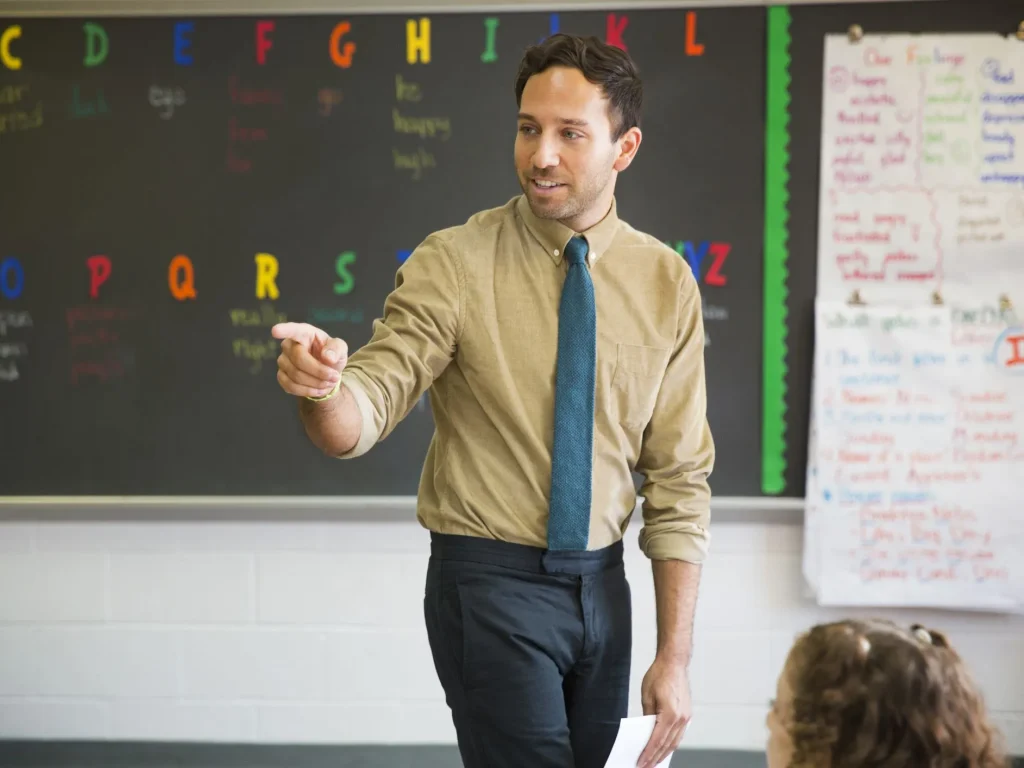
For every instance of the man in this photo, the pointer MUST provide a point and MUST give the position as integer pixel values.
(562, 349)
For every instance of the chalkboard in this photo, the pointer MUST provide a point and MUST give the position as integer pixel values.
(308, 149)
(808, 28)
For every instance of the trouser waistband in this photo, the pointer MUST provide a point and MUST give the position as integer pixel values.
(474, 549)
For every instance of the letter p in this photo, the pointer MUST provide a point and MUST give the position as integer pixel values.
(99, 273)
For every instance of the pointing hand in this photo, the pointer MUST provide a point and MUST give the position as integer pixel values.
(311, 361)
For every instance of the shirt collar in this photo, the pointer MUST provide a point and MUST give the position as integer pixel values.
(553, 235)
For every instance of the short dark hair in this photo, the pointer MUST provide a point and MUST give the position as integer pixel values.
(605, 65)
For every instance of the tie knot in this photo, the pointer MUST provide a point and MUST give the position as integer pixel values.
(576, 250)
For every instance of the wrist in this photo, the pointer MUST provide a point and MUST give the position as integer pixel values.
(333, 393)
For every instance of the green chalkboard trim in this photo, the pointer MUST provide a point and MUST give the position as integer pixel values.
(776, 253)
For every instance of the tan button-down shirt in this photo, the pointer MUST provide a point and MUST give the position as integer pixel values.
(474, 319)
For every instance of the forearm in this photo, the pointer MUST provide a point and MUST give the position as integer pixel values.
(334, 425)
(675, 591)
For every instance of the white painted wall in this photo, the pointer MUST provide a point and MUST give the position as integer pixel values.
(312, 632)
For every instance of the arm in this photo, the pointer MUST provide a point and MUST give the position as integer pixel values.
(675, 594)
(334, 426)
(381, 382)
(676, 459)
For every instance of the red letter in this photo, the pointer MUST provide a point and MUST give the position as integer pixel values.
(693, 48)
(263, 28)
(342, 57)
(720, 251)
(1017, 342)
(99, 266)
(614, 30)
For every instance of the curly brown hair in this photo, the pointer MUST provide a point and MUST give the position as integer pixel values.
(870, 693)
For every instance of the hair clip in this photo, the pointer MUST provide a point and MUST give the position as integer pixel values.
(922, 634)
(865, 646)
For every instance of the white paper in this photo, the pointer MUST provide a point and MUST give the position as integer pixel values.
(634, 733)
(922, 169)
(918, 450)
(921, 197)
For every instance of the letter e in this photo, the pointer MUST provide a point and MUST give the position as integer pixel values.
(181, 42)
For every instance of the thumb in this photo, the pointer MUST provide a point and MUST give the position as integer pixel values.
(334, 352)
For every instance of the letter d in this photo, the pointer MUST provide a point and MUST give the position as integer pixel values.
(95, 36)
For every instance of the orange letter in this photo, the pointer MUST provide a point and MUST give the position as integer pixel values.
(693, 48)
(186, 287)
(266, 271)
(614, 30)
(417, 42)
(342, 57)
(263, 28)
(11, 33)
(99, 266)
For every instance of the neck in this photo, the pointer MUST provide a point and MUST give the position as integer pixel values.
(590, 217)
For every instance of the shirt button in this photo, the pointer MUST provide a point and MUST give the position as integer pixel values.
(555, 251)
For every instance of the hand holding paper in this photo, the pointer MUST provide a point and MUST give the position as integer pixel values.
(634, 733)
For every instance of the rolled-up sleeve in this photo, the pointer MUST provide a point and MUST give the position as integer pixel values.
(678, 452)
(412, 342)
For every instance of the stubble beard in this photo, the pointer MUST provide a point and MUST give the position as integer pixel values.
(575, 203)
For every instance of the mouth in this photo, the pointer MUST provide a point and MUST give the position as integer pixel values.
(543, 186)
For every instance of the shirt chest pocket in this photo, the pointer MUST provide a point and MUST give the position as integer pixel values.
(636, 380)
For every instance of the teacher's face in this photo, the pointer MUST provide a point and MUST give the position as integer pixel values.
(564, 153)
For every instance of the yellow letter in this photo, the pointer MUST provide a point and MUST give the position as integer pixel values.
(266, 271)
(185, 288)
(417, 42)
(11, 62)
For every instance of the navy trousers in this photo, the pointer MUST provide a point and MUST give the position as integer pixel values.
(532, 649)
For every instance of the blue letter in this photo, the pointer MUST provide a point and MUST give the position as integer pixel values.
(695, 258)
(181, 42)
(11, 264)
(403, 255)
(552, 26)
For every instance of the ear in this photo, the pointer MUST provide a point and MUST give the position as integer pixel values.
(627, 144)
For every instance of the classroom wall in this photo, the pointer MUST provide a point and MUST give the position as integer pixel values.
(280, 630)
(311, 631)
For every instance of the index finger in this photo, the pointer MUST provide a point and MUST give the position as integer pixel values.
(301, 332)
(662, 729)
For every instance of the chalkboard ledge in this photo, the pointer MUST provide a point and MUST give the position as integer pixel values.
(375, 509)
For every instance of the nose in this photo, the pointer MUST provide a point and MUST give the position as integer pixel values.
(545, 154)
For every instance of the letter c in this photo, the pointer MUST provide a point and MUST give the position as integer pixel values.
(11, 33)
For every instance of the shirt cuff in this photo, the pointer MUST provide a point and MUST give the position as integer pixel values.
(689, 544)
(370, 432)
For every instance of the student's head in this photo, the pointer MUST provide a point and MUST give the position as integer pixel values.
(871, 693)
(579, 105)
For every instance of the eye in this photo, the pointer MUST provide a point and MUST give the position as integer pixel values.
(525, 128)
(570, 134)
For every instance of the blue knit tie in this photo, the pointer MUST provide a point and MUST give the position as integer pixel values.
(569, 511)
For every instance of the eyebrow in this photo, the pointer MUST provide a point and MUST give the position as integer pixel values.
(563, 120)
